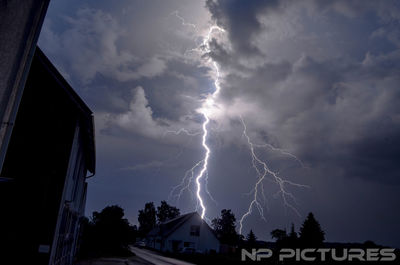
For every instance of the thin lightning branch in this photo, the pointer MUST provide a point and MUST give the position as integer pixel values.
(180, 131)
(263, 195)
(282, 151)
(185, 183)
(258, 188)
(184, 23)
(207, 191)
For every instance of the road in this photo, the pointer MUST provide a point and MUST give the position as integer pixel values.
(155, 258)
(115, 261)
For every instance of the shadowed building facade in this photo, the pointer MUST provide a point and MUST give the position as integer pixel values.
(43, 185)
(46, 146)
(20, 24)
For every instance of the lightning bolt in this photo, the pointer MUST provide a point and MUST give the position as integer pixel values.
(206, 106)
(262, 173)
(205, 109)
(208, 103)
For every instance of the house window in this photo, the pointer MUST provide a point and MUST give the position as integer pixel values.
(195, 230)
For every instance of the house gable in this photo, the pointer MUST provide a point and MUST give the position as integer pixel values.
(195, 233)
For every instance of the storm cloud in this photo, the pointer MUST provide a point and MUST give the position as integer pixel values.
(338, 110)
(320, 79)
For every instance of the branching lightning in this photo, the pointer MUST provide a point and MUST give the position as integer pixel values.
(185, 183)
(282, 151)
(265, 171)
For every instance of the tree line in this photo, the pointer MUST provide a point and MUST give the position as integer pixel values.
(109, 233)
(310, 234)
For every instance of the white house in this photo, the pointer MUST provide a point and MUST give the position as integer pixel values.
(188, 230)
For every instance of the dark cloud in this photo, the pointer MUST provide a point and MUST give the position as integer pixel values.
(331, 111)
(240, 19)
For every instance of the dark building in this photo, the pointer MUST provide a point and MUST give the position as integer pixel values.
(43, 181)
(47, 148)
(20, 24)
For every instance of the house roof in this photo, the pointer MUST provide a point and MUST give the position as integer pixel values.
(168, 227)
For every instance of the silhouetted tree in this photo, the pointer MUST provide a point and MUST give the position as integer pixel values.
(241, 241)
(292, 234)
(279, 234)
(108, 233)
(292, 239)
(166, 212)
(113, 228)
(311, 234)
(147, 219)
(285, 240)
(225, 227)
(251, 239)
(88, 239)
(133, 233)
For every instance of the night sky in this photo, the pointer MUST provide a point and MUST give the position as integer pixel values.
(317, 79)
